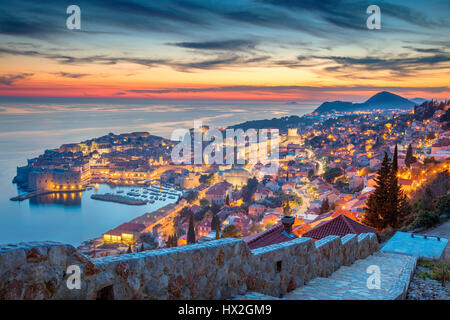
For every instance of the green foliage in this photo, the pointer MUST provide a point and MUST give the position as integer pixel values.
(207, 179)
(376, 210)
(387, 206)
(231, 231)
(332, 173)
(425, 219)
(256, 228)
(436, 270)
(192, 196)
(191, 230)
(249, 189)
(287, 211)
(409, 159)
(325, 207)
(442, 205)
(172, 241)
(432, 202)
(269, 225)
(204, 202)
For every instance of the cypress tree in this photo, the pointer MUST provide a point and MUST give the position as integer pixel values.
(409, 159)
(325, 207)
(394, 194)
(191, 230)
(214, 222)
(395, 160)
(287, 211)
(377, 212)
(218, 229)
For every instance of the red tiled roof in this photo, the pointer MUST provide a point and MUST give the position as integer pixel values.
(339, 226)
(127, 227)
(219, 188)
(273, 235)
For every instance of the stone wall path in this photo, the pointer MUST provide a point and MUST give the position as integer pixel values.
(350, 282)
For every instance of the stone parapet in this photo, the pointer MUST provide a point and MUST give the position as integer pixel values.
(217, 269)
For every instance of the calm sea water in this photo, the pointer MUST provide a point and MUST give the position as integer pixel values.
(29, 126)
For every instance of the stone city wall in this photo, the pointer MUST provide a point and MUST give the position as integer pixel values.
(217, 269)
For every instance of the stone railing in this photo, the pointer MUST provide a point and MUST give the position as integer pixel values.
(217, 269)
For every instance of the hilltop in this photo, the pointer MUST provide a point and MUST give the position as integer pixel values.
(381, 100)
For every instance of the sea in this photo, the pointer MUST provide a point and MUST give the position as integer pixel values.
(29, 126)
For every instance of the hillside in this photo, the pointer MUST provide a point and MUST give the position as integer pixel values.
(381, 100)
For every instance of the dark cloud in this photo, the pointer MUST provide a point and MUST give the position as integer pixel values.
(399, 65)
(288, 89)
(10, 79)
(352, 14)
(71, 75)
(218, 45)
(210, 63)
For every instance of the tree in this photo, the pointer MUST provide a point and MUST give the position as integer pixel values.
(191, 230)
(256, 228)
(227, 200)
(218, 229)
(388, 205)
(395, 161)
(442, 205)
(249, 189)
(204, 202)
(325, 207)
(231, 231)
(192, 196)
(376, 210)
(186, 212)
(332, 173)
(409, 159)
(172, 241)
(287, 211)
(214, 222)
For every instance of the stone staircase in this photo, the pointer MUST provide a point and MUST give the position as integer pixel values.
(350, 282)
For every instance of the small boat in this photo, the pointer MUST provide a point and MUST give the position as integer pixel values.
(152, 201)
(171, 197)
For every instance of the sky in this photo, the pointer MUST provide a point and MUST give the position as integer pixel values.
(303, 51)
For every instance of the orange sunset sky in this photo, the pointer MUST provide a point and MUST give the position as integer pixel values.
(268, 50)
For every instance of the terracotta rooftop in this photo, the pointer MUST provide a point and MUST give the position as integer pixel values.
(219, 188)
(127, 227)
(273, 235)
(339, 226)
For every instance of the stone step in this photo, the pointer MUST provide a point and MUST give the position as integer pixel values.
(331, 289)
(350, 282)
